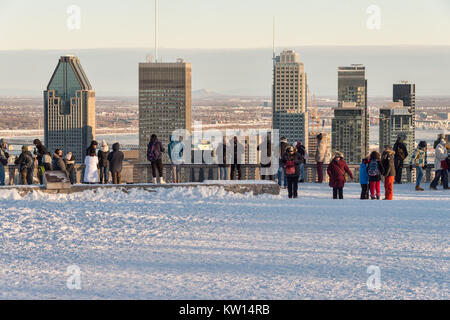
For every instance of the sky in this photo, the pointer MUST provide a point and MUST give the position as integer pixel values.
(214, 24)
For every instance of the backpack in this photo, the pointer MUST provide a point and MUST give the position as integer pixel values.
(373, 170)
(400, 153)
(152, 153)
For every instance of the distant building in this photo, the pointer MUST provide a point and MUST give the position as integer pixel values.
(347, 132)
(289, 97)
(395, 121)
(352, 87)
(69, 109)
(406, 92)
(164, 102)
(443, 115)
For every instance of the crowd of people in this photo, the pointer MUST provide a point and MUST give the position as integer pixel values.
(101, 162)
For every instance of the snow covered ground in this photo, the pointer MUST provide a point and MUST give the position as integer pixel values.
(205, 243)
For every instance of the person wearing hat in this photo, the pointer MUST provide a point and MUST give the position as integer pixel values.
(3, 160)
(103, 163)
(440, 166)
(336, 171)
(388, 165)
(291, 161)
(25, 163)
(419, 161)
(92, 146)
(321, 152)
(401, 153)
(69, 161)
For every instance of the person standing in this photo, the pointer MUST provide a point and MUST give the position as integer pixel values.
(400, 155)
(175, 150)
(440, 166)
(336, 171)
(4, 155)
(103, 163)
(302, 151)
(92, 146)
(223, 166)
(238, 153)
(91, 169)
(321, 152)
(58, 162)
(40, 151)
(388, 165)
(266, 146)
(154, 155)
(25, 163)
(282, 180)
(69, 161)
(291, 161)
(115, 159)
(364, 179)
(419, 161)
(374, 170)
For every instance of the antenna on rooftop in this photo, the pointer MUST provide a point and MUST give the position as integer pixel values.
(273, 39)
(156, 31)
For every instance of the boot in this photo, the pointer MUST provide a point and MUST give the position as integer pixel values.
(418, 188)
(161, 180)
(154, 180)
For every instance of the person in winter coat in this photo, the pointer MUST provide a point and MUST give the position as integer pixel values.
(291, 161)
(25, 163)
(419, 160)
(39, 152)
(374, 171)
(282, 179)
(364, 179)
(103, 163)
(115, 159)
(400, 155)
(321, 153)
(440, 166)
(266, 148)
(69, 161)
(238, 158)
(336, 171)
(91, 168)
(3, 160)
(301, 149)
(92, 146)
(388, 165)
(176, 150)
(58, 162)
(154, 155)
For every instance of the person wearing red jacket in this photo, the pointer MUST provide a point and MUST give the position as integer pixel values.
(336, 171)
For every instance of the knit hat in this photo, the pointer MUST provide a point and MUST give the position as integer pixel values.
(68, 156)
(105, 147)
(338, 154)
(25, 148)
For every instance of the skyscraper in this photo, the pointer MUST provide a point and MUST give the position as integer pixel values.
(69, 109)
(289, 114)
(164, 101)
(406, 92)
(347, 132)
(395, 121)
(352, 87)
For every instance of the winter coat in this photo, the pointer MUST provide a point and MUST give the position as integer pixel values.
(59, 165)
(266, 146)
(301, 149)
(297, 160)
(419, 158)
(440, 155)
(103, 161)
(91, 169)
(154, 150)
(336, 171)
(3, 157)
(387, 163)
(40, 151)
(175, 149)
(363, 175)
(115, 159)
(321, 151)
(283, 147)
(47, 162)
(400, 151)
(24, 161)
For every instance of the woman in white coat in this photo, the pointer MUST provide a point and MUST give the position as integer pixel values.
(91, 170)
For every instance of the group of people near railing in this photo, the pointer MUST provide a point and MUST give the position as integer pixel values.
(101, 162)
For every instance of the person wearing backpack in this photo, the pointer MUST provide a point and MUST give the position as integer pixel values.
(364, 179)
(291, 161)
(154, 155)
(39, 152)
(336, 171)
(419, 161)
(388, 166)
(374, 170)
(400, 155)
(25, 163)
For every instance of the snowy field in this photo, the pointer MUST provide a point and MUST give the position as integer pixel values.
(205, 243)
